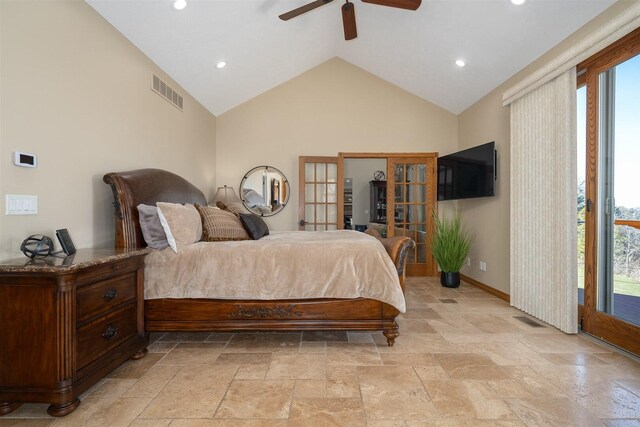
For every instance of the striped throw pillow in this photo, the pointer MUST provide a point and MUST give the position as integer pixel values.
(220, 225)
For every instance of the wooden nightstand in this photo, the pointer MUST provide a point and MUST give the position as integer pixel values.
(65, 324)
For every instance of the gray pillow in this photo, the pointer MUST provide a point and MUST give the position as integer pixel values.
(152, 230)
(255, 226)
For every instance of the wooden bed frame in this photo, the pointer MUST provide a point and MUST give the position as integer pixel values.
(149, 186)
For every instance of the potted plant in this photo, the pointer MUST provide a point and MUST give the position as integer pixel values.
(450, 245)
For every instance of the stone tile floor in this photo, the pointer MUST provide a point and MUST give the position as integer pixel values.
(461, 363)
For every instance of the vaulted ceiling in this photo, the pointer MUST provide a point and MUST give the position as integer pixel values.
(414, 50)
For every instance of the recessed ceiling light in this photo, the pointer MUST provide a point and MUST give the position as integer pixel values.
(221, 64)
(460, 63)
(179, 4)
(518, 2)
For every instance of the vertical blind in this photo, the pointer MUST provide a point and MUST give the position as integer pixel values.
(543, 203)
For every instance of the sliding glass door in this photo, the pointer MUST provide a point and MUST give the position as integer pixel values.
(609, 199)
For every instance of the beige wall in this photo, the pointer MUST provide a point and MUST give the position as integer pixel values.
(487, 120)
(335, 107)
(75, 92)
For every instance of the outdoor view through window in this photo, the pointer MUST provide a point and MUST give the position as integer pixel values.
(618, 191)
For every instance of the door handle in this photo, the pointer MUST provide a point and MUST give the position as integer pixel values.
(301, 223)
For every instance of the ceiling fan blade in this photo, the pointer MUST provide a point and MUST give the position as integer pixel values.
(303, 9)
(402, 4)
(349, 21)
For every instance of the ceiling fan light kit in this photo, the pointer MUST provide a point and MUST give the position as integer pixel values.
(349, 21)
(349, 12)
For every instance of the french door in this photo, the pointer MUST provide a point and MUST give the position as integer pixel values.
(411, 200)
(318, 194)
(608, 196)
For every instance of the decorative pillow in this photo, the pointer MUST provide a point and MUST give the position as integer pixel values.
(255, 226)
(220, 225)
(181, 224)
(152, 230)
(230, 208)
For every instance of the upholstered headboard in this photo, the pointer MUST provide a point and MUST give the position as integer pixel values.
(147, 186)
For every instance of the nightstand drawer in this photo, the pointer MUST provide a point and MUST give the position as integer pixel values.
(100, 336)
(104, 271)
(101, 296)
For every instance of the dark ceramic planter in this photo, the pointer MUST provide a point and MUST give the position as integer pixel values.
(450, 280)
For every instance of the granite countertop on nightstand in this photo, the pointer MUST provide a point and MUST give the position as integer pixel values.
(81, 259)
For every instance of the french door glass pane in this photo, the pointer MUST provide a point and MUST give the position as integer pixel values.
(320, 172)
(582, 177)
(309, 175)
(618, 195)
(626, 238)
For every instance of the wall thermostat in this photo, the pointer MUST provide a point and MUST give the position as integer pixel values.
(25, 159)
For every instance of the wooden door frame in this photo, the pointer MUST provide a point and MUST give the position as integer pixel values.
(594, 322)
(370, 155)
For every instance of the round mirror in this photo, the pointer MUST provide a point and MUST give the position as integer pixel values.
(264, 190)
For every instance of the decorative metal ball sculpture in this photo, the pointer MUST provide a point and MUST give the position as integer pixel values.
(37, 246)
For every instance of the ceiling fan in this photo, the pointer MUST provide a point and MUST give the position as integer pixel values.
(349, 13)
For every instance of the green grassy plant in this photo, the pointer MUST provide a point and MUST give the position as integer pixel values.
(451, 243)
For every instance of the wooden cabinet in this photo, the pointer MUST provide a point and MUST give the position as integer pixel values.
(66, 324)
(378, 202)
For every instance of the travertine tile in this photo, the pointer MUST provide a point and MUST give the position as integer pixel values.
(415, 326)
(140, 422)
(104, 411)
(191, 356)
(360, 337)
(426, 373)
(134, 369)
(243, 359)
(326, 336)
(532, 382)
(578, 359)
(29, 411)
(471, 366)
(346, 354)
(264, 343)
(114, 387)
(342, 381)
(552, 412)
(506, 353)
(411, 359)
(251, 372)
(313, 347)
(161, 347)
(256, 399)
(194, 392)
(394, 392)
(154, 380)
(310, 388)
(9, 422)
(184, 337)
(621, 422)
(228, 423)
(416, 343)
(421, 313)
(219, 337)
(545, 343)
(297, 366)
(444, 422)
(325, 412)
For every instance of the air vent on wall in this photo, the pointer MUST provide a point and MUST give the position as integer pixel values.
(162, 89)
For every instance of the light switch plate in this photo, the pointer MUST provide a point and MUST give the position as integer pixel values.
(16, 204)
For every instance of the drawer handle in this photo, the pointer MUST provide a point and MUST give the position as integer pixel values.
(110, 333)
(114, 267)
(110, 294)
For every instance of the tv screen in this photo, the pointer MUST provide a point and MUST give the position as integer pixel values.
(468, 173)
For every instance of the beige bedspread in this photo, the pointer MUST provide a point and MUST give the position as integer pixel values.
(283, 265)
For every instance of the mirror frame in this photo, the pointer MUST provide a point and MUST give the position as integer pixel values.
(284, 182)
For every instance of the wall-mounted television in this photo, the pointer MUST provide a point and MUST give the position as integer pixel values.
(468, 173)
